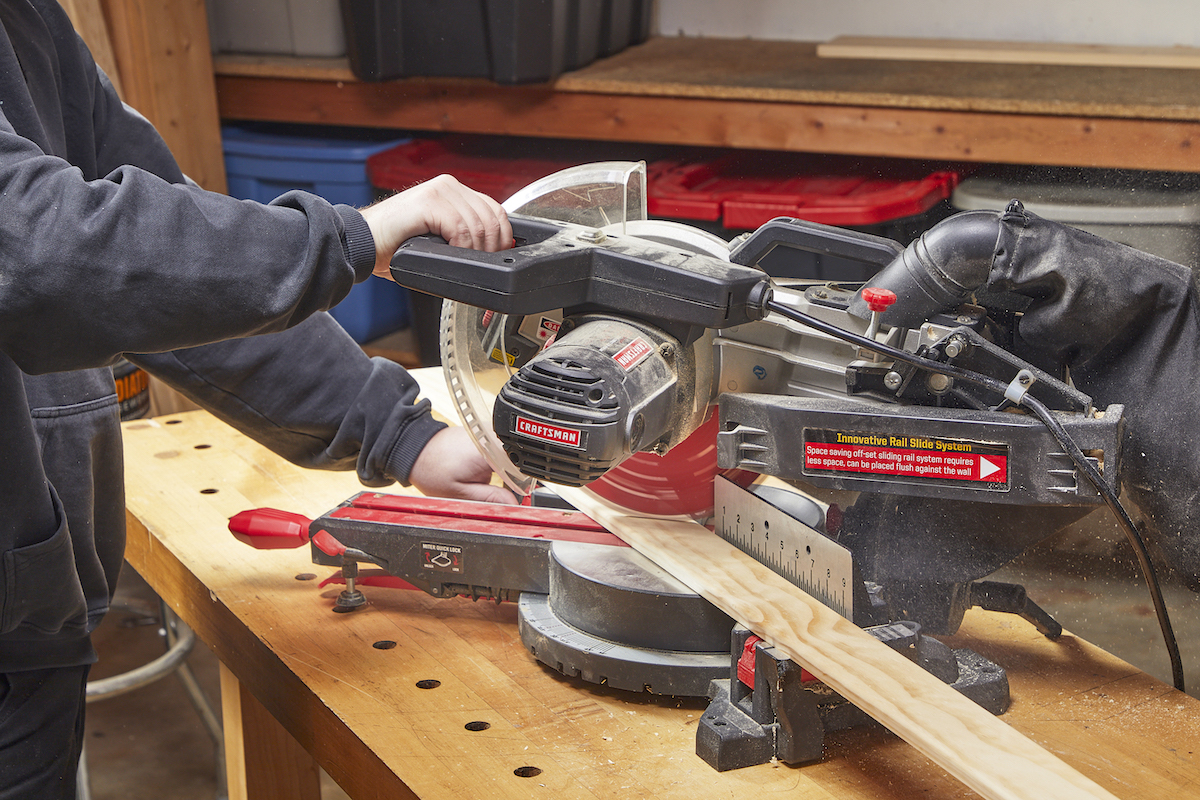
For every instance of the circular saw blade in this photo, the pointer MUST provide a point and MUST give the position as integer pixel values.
(476, 353)
(679, 483)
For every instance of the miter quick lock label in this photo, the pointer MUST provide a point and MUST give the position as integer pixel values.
(442, 557)
(906, 459)
(633, 353)
(554, 434)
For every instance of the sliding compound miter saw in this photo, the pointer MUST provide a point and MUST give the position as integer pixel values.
(660, 367)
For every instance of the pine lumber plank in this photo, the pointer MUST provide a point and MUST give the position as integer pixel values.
(999, 52)
(982, 751)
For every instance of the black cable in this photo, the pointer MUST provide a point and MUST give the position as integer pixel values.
(1039, 409)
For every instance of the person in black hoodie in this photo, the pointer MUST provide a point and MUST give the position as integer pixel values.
(107, 249)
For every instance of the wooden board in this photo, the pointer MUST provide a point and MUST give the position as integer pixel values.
(974, 746)
(997, 52)
(357, 710)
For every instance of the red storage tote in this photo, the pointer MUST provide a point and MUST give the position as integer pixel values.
(743, 190)
(491, 167)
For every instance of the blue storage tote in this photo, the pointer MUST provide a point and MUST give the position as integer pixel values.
(263, 162)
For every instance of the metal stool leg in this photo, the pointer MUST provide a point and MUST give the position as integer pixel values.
(179, 639)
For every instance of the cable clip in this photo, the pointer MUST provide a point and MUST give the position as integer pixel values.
(1020, 385)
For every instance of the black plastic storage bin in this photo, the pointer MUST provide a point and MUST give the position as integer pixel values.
(509, 41)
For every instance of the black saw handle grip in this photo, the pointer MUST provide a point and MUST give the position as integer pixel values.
(558, 265)
(812, 237)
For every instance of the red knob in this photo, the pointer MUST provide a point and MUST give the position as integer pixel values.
(270, 529)
(878, 300)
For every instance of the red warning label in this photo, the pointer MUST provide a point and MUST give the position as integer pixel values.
(906, 458)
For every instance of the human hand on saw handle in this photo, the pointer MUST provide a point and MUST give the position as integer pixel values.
(449, 465)
(442, 206)
(1125, 324)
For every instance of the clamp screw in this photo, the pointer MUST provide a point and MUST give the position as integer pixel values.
(893, 380)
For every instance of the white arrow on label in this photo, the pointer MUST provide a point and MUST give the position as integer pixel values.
(986, 467)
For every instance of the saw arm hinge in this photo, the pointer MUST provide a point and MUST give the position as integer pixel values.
(771, 708)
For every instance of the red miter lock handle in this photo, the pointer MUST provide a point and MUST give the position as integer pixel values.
(272, 529)
(878, 300)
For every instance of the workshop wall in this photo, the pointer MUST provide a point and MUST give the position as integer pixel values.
(1151, 23)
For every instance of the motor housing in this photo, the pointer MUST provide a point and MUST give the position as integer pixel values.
(604, 390)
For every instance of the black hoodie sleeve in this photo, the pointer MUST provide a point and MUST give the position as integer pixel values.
(106, 248)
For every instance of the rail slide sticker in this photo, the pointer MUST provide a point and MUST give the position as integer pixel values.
(906, 459)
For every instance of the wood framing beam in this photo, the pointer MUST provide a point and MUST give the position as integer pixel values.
(162, 52)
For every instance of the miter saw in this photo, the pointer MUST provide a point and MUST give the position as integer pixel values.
(657, 366)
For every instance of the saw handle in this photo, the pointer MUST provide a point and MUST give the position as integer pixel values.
(812, 237)
(563, 266)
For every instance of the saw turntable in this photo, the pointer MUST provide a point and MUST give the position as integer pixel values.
(657, 366)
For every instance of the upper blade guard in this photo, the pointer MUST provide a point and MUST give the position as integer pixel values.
(482, 349)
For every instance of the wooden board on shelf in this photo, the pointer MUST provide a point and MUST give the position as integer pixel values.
(998, 52)
(265, 66)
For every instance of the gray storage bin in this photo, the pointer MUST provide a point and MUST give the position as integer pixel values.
(1158, 213)
(277, 27)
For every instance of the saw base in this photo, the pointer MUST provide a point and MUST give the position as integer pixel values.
(614, 618)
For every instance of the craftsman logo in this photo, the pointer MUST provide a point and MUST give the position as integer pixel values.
(906, 459)
(549, 433)
(442, 557)
(632, 354)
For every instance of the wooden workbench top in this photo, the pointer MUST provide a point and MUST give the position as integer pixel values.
(357, 708)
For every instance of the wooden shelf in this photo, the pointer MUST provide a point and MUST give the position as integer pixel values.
(767, 95)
